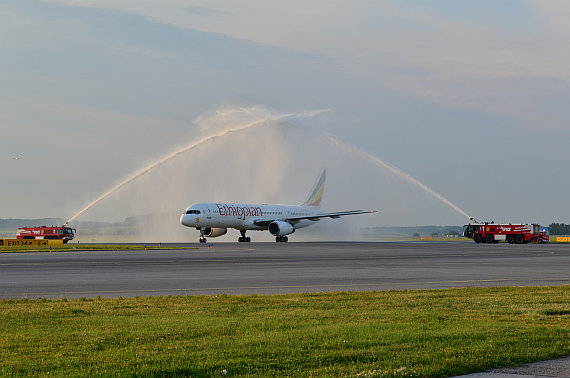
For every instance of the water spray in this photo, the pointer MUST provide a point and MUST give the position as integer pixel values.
(252, 124)
(400, 174)
(182, 150)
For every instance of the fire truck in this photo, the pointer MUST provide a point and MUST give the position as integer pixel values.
(43, 232)
(511, 233)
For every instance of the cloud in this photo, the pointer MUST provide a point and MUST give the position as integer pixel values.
(554, 12)
(441, 55)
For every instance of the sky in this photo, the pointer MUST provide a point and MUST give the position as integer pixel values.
(470, 98)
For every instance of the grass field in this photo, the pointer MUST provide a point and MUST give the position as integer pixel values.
(433, 333)
(88, 247)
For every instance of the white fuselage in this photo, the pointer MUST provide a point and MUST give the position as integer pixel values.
(242, 216)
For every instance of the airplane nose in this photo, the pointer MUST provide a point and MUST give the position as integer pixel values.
(186, 220)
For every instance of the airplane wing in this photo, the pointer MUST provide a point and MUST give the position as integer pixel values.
(314, 218)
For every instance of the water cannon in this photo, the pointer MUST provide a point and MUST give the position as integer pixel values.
(472, 219)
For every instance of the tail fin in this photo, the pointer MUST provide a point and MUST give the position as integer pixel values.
(316, 195)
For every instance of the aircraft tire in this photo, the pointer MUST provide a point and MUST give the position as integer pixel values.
(248, 239)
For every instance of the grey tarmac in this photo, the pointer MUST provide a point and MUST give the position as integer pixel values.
(551, 368)
(247, 268)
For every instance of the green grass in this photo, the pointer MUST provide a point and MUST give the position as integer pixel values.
(432, 333)
(87, 247)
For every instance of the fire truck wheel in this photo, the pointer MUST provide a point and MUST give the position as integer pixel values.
(519, 239)
(510, 239)
(477, 238)
(489, 239)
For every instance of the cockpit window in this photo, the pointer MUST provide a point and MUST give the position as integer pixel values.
(193, 212)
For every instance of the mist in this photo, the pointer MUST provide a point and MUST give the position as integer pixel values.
(257, 155)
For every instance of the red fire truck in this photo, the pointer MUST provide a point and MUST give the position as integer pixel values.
(511, 233)
(54, 233)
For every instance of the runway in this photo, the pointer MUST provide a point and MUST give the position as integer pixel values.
(246, 268)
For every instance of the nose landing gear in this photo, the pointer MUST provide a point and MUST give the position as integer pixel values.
(243, 238)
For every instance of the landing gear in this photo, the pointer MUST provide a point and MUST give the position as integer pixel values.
(281, 239)
(202, 237)
(243, 238)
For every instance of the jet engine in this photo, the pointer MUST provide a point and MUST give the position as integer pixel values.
(215, 232)
(278, 228)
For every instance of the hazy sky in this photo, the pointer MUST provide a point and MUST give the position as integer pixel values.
(472, 98)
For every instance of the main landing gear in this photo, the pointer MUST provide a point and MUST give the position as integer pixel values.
(243, 238)
(281, 239)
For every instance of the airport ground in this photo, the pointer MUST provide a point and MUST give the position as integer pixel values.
(356, 326)
(425, 333)
(246, 268)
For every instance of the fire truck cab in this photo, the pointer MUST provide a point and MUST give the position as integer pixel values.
(51, 233)
(511, 233)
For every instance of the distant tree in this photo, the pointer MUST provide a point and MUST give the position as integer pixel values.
(416, 235)
(453, 233)
(559, 229)
(434, 235)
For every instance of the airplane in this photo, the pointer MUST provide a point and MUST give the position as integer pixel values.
(214, 219)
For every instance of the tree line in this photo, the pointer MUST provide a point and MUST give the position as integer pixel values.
(559, 229)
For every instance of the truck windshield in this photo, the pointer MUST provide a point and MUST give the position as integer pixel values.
(469, 227)
(67, 230)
